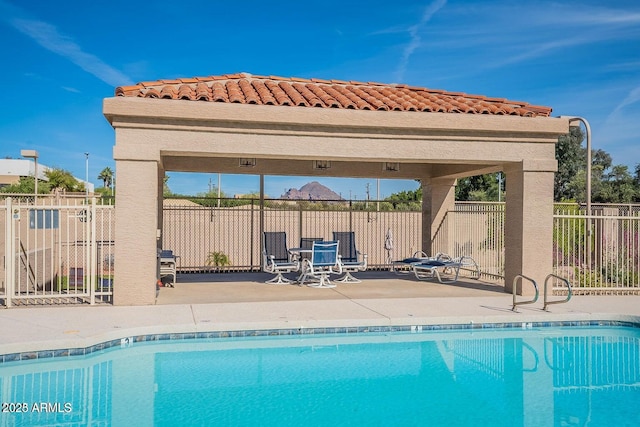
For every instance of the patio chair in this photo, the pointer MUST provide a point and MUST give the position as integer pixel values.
(322, 263)
(167, 261)
(403, 266)
(276, 257)
(351, 259)
(306, 244)
(434, 268)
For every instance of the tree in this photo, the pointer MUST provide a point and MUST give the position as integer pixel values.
(106, 175)
(571, 159)
(577, 187)
(609, 183)
(57, 179)
(406, 196)
(636, 181)
(250, 195)
(601, 158)
(615, 186)
(212, 193)
(166, 191)
(26, 185)
(478, 188)
(403, 201)
(63, 180)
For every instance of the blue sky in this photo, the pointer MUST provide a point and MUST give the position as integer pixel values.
(61, 59)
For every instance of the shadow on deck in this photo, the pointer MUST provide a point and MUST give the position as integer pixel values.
(250, 287)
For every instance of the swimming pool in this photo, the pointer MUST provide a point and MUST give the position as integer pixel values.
(534, 376)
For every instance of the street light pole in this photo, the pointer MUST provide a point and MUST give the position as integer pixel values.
(86, 177)
(33, 154)
(588, 195)
(219, 189)
(588, 129)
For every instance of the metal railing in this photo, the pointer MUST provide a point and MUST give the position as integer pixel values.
(522, 280)
(475, 229)
(602, 259)
(598, 253)
(195, 232)
(58, 252)
(73, 262)
(555, 277)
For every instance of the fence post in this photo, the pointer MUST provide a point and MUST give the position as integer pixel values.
(261, 216)
(10, 253)
(252, 232)
(350, 215)
(92, 261)
(299, 222)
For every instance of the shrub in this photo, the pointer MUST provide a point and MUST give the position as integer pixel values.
(218, 259)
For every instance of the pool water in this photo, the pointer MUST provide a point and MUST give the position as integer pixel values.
(500, 377)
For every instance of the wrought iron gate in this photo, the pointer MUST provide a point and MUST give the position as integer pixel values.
(57, 253)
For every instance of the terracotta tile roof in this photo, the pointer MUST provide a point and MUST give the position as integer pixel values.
(245, 88)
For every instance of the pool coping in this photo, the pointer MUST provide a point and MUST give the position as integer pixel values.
(31, 333)
(127, 341)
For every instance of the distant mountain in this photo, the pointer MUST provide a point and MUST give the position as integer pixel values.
(311, 191)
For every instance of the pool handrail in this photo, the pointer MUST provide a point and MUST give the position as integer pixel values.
(562, 279)
(515, 289)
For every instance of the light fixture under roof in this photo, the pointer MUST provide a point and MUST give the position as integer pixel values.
(322, 164)
(391, 166)
(247, 162)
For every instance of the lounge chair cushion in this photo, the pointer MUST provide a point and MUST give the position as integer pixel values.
(432, 263)
(410, 260)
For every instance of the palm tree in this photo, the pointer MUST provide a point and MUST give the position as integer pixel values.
(62, 179)
(106, 176)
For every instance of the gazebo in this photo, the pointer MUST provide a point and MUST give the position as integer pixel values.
(294, 126)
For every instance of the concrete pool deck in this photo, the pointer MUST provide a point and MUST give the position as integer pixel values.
(237, 302)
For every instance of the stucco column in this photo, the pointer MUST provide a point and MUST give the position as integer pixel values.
(135, 271)
(529, 223)
(160, 203)
(438, 197)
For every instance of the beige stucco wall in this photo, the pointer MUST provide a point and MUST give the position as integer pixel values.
(529, 225)
(154, 135)
(9, 179)
(438, 197)
(136, 233)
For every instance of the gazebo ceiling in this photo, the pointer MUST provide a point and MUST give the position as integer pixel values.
(245, 88)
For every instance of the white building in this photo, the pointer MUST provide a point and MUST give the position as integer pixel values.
(11, 170)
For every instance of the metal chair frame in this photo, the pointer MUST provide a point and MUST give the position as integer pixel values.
(350, 258)
(323, 262)
(276, 257)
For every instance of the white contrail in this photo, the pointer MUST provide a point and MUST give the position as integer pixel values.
(631, 98)
(47, 36)
(416, 40)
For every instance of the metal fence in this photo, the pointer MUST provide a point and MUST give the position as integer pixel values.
(598, 253)
(61, 250)
(204, 236)
(58, 251)
(201, 235)
(475, 229)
